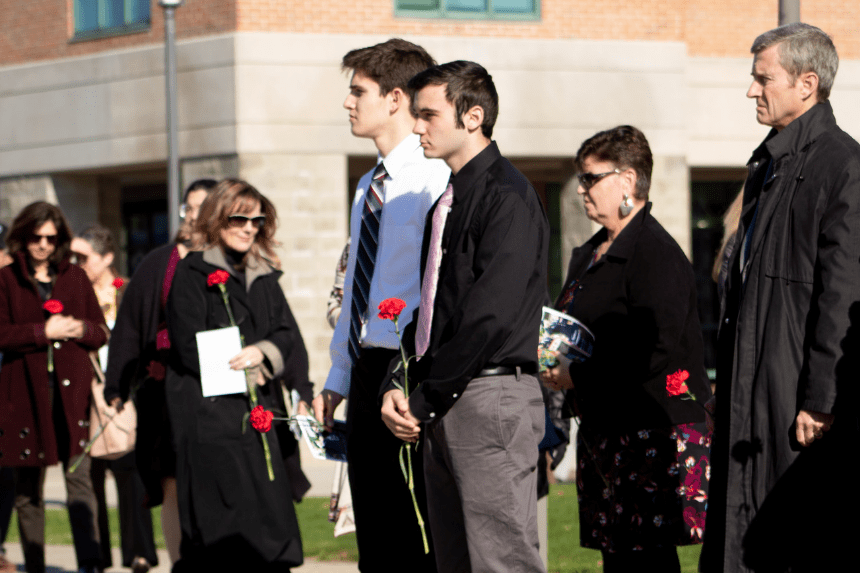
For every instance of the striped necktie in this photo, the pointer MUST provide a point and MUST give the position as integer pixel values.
(371, 215)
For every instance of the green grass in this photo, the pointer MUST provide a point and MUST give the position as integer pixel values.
(565, 554)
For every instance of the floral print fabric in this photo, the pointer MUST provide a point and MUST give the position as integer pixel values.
(653, 491)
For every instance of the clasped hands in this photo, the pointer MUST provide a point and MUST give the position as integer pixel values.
(63, 327)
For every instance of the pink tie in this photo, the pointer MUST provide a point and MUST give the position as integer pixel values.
(431, 272)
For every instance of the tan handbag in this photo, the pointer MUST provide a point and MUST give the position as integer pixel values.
(112, 433)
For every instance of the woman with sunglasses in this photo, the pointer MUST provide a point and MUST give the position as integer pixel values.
(233, 517)
(49, 321)
(642, 452)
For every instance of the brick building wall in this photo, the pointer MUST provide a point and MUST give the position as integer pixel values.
(41, 29)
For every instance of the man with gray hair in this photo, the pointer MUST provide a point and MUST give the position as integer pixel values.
(787, 367)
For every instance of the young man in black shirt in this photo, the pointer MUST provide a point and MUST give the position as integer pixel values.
(484, 264)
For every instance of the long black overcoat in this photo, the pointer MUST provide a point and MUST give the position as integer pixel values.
(230, 512)
(789, 341)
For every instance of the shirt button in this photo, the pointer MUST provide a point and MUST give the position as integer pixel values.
(24, 433)
(726, 321)
(25, 454)
(57, 345)
(432, 414)
(80, 423)
(444, 251)
(66, 382)
(82, 443)
(455, 395)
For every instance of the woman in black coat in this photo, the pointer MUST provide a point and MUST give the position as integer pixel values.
(642, 453)
(233, 517)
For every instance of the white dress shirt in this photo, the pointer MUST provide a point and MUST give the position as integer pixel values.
(412, 186)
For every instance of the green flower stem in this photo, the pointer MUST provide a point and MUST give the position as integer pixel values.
(50, 356)
(252, 390)
(89, 445)
(407, 468)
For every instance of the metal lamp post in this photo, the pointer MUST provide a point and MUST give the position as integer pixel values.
(173, 196)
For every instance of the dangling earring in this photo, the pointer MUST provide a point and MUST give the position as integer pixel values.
(626, 206)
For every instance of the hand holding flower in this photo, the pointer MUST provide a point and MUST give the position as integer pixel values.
(62, 327)
(398, 418)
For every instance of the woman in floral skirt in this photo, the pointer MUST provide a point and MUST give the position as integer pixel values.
(642, 451)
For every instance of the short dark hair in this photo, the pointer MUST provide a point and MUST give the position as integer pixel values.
(467, 84)
(626, 148)
(390, 64)
(100, 239)
(199, 185)
(28, 222)
(803, 48)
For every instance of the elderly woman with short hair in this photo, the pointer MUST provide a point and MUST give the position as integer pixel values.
(642, 452)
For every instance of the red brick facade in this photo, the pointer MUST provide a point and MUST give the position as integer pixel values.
(42, 29)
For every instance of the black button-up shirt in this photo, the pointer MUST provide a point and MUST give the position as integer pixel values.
(492, 283)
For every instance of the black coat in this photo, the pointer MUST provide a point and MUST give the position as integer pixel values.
(132, 349)
(639, 300)
(230, 512)
(789, 341)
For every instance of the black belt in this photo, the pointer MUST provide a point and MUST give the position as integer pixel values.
(506, 371)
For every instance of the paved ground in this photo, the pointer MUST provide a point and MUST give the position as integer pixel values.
(61, 559)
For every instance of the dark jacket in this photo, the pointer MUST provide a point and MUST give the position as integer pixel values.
(639, 300)
(789, 341)
(27, 433)
(492, 283)
(228, 507)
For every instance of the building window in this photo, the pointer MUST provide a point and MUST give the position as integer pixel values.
(478, 9)
(108, 17)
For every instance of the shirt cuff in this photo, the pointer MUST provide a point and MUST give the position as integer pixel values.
(338, 381)
(273, 355)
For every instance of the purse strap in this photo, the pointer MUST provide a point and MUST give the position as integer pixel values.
(97, 369)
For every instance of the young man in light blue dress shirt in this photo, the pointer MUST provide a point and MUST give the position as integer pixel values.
(380, 109)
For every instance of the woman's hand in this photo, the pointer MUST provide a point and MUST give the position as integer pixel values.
(63, 327)
(558, 378)
(250, 357)
(303, 409)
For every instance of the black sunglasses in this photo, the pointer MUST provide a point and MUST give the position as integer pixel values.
(588, 180)
(52, 239)
(240, 221)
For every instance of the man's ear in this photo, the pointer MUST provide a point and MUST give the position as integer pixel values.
(473, 118)
(808, 85)
(109, 258)
(396, 100)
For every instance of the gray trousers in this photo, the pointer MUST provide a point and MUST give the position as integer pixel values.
(81, 502)
(480, 465)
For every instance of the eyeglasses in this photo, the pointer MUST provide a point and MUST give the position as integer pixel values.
(239, 221)
(589, 180)
(52, 239)
(79, 258)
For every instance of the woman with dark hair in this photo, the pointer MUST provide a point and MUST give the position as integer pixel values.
(94, 250)
(233, 517)
(642, 451)
(49, 322)
(138, 355)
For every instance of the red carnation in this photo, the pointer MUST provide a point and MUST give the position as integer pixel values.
(155, 370)
(261, 419)
(117, 283)
(53, 306)
(219, 277)
(675, 384)
(390, 308)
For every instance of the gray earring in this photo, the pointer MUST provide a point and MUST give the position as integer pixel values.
(626, 206)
